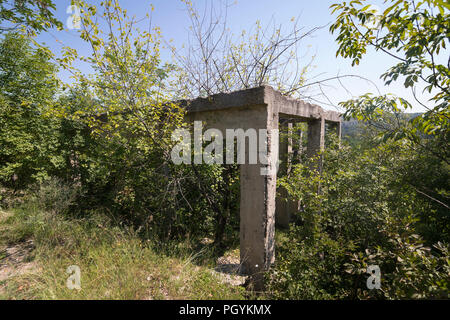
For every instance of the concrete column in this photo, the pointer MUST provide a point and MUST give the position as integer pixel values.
(257, 215)
(299, 149)
(284, 206)
(316, 140)
(337, 127)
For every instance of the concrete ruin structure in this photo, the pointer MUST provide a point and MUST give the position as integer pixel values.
(263, 108)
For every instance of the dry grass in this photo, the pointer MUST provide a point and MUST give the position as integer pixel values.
(114, 263)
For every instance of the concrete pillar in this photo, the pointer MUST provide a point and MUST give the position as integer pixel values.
(337, 127)
(285, 206)
(257, 214)
(316, 140)
(299, 150)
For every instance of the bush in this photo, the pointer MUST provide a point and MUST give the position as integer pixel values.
(54, 195)
(363, 215)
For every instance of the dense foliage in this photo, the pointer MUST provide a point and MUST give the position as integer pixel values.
(366, 214)
(28, 86)
(31, 15)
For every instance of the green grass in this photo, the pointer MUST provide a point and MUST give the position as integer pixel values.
(114, 262)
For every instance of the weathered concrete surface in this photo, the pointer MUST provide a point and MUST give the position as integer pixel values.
(257, 201)
(337, 127)
(316, 140)
(264, 95)
(260, 108)
(285, 207)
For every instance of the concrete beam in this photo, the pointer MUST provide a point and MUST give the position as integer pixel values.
(258, 96)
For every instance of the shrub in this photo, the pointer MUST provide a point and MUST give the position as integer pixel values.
(363, 215)
(54, 195)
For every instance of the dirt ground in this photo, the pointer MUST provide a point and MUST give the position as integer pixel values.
(14, 262)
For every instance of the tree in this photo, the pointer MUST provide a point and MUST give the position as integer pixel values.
(28, 84)
(129, 79)
(416, 34)
(131, 115)
(217, 61)
(33, 15)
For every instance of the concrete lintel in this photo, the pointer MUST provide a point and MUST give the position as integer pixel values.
(297, 108)
(220, 101)
(264, 95)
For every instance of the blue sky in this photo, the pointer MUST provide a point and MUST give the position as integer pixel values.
(171, 17)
